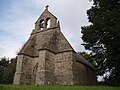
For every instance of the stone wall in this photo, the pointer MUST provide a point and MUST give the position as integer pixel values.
(49, 68)
(80, 74)
(18, 72)
(24, 70)
(26, 75)
(83, 74)
(55, 68)
(63, 68)
(40, 70)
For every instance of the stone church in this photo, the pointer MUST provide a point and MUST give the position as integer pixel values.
(47, 58)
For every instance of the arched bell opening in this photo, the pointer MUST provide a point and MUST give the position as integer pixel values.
(42, 24)
(48, 22)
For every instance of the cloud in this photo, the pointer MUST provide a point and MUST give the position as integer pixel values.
(2, 51)
(17, 20)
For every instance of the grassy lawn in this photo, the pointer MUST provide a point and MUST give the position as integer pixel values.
(25, 87)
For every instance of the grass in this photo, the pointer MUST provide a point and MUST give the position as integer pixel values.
(27, 87)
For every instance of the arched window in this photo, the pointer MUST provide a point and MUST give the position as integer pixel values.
(42, 24)
(48, 22)
(35, 70)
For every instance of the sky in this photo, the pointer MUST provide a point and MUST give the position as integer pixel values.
(17, 18)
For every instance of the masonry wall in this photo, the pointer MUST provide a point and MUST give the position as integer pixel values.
(40, 70)
(83, 74)
(49, 68)
(34, 70)
(63, 68)
(18, 72)
(80, 74)
(91, 76)
(24, 70)
(26, 75)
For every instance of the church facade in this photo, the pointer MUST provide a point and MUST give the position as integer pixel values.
(47, 58)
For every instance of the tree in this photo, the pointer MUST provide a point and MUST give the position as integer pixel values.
(102, 38)
(7, 70)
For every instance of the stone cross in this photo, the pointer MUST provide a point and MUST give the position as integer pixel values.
(47, 7)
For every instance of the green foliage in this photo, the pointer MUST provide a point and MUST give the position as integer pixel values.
(11, 87)
(7, 70)
(102, 38)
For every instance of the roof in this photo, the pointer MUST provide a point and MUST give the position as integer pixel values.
(84, 61)
(29, 47)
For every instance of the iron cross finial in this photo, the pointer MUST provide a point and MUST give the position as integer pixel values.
(47, 7)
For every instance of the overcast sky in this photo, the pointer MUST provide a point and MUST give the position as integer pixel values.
(17, 18)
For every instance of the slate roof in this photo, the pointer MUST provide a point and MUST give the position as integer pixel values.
(83, 60)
